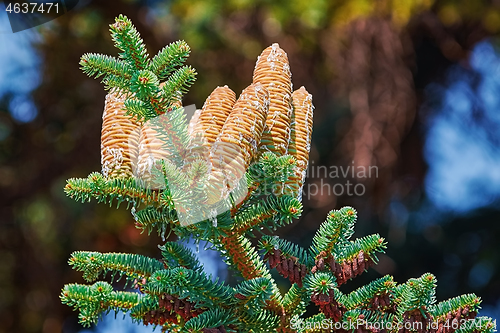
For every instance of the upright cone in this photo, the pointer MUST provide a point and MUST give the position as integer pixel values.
(300, 143)
(119, 139)
(237, 143)
(210, 121)
(272, 70)
(151, 151)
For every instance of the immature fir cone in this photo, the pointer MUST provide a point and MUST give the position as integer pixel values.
(237, 143)
(300, 143)
(151, 150)
(212, 117)
(119, 139)
(272, 70)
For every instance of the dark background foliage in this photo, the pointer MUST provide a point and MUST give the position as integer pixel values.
(380, 73)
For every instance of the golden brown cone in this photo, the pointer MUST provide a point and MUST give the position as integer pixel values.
(300, 143)
(237, 143)
(151, 150)
(212, 117)
(272, 70)
(119, 138)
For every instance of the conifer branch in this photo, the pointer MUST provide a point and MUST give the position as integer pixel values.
(177, 255)
(121, 190)
(96, 65)
(186, 283)
(271, 212)
(171, 56)
(94, 263)
(128, 39)
(335, 231)
(96, 299)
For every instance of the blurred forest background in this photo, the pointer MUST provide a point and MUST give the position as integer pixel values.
(411, 87)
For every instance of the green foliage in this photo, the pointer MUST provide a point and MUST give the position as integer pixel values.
(254, 293)
(177, 255)
(369, 245)
(288, 249)
(93, 300)
(94, 263)
(418, 293)
(108, 190)
(210, 319)
(335, 231)
(363, 296)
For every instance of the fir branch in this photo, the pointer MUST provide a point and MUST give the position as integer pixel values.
(144, 84)
(363, 319)
(371, 296)
(254, 293)
(178, 83)
(418, 294)
(244, 258)
(94, 263)
(212, 318)
(270, 212)
(259, 321)
(96, 299)
(139, 109)
(287, 249)
(177, 255)
(465, 304)
(272, 169)
(96, 186)
(96, 65)
(335, 231)
(186, 283)
(320, 283)
(368, 245)
(296, 300)
(145, 304)
(168, 58)
(128, 39)
(150, 218)
(172, 130)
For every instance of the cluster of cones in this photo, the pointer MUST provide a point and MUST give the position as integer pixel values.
(328, 305)
(169, 308)
(228, 133)
(346, 270)
(289, 268)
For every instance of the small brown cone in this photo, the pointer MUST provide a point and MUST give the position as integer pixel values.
(300, 143)
(272, 70)
(237, 143)
(119, 139)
